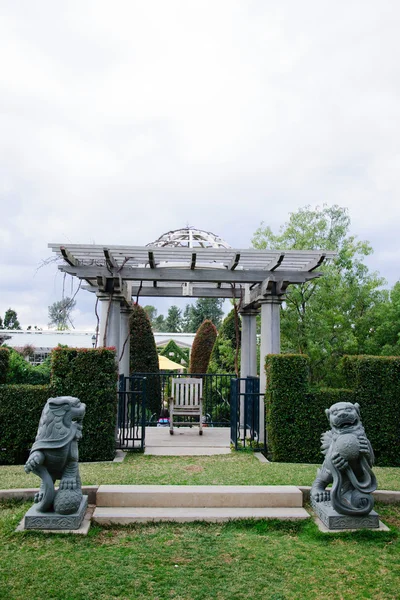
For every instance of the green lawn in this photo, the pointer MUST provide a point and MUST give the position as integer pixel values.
(238, 468)
(195, 561)
(241, 560)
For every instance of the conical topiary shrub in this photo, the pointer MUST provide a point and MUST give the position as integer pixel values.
(144, 357)
(202, 347)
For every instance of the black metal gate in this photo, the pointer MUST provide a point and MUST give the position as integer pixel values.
(245, 414)
(131, 421)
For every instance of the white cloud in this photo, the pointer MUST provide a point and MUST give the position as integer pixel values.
(121, 121)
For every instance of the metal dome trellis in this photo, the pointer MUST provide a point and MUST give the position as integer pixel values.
(189, 237)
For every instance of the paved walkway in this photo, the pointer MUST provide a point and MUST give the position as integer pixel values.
(186, 441)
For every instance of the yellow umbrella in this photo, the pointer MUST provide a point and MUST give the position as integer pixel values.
(166, 364)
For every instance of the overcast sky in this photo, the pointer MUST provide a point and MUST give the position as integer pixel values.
(122, 120)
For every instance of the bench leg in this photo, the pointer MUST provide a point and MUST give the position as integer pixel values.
(201, 419)
(171, 419)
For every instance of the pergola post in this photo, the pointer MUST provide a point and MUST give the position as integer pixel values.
(124, 357)
(104, 300)
(248, 352)
(110, 322)
(270, 343)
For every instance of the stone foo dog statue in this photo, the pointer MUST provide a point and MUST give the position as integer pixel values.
(54, 455)
(348, 463)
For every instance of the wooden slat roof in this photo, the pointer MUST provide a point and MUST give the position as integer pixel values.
(153, 256)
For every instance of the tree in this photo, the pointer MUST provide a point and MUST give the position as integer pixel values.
(222, 358)
(202, 347)
(329, 316)
(203, 309)
(60, 313)
(173, 320)
(11, 320)
(159, 324)
(186, 319)
(151, 312)
(144, 357)
(383, 336)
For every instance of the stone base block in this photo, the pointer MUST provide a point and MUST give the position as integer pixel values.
(35, 519)
(334, 521)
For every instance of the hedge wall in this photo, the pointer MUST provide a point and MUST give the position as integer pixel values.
(92, 376)
(20, 410)
(296, 413)
(376, 381)
(4, 362)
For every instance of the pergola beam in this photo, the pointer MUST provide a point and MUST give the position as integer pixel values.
(111, 264)
(234, 262)
(181, 275)
(67, 256)
(313, 264)
(176, 292)
(275, 262)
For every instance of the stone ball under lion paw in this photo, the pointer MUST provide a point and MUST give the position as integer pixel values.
(67, 502)
(347, 446)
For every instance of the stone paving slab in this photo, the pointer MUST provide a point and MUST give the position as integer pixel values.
(185, 451)
(127, 515)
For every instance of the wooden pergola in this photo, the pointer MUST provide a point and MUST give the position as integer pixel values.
(259, 278)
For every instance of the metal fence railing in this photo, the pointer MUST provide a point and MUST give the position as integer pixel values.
(216, 395)
(131, 418)
(245, 414)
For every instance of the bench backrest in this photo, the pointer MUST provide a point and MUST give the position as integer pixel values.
(186, 391)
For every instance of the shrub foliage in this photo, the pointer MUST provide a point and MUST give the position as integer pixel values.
(20, 371)
(20, 410)
(376, 382)
(91, 375)
(202, 347)
(222, 358)
(175, 353)
(144, 357)
(4, 363)
(295, 411)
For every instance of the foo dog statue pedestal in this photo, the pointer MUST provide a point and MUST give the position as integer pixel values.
(335, 521)
(54, 456)
(35, 519)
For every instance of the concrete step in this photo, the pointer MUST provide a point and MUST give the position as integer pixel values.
(126, 515)
(200, 496)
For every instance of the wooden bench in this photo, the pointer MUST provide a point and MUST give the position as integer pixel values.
(186, 400)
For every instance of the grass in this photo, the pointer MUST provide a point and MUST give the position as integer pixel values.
(238, 468)
(242, 560)
(271, 560)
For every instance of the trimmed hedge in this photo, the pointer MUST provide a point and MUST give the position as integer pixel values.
(144, 357)
(4, 363)
(203, 344)
(92, 376)
(376, 380)
(296, 413)
(20, 410)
